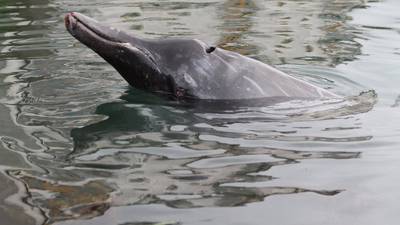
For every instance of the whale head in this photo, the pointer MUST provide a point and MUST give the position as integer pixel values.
(126, 53)
(143, 63)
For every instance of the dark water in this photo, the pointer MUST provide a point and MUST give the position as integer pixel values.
(78, 146)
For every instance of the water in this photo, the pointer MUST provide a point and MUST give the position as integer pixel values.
(78, 146)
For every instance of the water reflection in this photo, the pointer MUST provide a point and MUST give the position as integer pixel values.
(21, 40)
(22, 31)
(156, 154)
(304, 32)
(237, 17)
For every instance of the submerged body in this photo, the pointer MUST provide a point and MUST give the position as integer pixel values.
(187, 68)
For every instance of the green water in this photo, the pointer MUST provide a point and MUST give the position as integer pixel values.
(79, 146)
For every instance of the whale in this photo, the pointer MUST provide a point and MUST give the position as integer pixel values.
(185, 69)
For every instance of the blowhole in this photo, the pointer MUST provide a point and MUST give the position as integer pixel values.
(210, 49)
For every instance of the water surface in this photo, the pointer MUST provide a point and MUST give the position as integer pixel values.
(79, 146)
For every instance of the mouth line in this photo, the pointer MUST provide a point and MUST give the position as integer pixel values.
(74, 23)
(71, 24)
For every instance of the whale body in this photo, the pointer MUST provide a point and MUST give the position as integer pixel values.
(187, 68)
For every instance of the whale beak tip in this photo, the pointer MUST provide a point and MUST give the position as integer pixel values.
(70, 21)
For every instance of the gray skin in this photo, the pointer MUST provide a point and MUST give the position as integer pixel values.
(187, 68)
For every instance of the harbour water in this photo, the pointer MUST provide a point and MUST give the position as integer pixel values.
(79, 146)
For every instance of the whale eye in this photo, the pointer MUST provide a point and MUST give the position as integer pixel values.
(210, 49)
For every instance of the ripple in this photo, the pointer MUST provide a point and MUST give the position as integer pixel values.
(232, 160)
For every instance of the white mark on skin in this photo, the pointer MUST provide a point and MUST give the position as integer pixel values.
(190, 80)
(226, 63)
(128, 45)
(142, 52)
(321, 92)
(281, 89)
(254, 84)
(115, 29)
(202, 66)
(200, 42)
(232, 55)
(182, 69)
